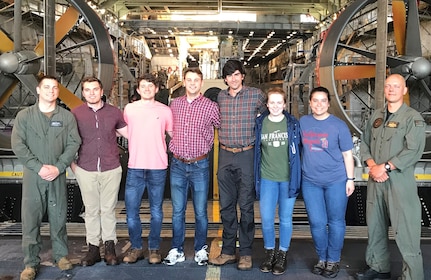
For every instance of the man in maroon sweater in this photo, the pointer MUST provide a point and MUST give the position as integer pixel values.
(98, 169)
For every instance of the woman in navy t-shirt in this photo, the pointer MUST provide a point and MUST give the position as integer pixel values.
(327, 179)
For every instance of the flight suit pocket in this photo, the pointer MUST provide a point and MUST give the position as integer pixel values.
(32, 131)
(58, 131)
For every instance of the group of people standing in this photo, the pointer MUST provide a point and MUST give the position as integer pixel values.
(261, 156)
(265, 153)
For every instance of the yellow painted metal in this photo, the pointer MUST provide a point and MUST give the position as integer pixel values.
(62, 26)
(11, 174)
(423, 177)
(6, 43)
(215, 166)
(216, 211)
(68, 98)
(400, 25)
(16, 174)
(353, 72)
(418, 177)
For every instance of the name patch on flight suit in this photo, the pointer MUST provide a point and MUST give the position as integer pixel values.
(378, 122)
(392, 124)
(419, 123)
(56, 124)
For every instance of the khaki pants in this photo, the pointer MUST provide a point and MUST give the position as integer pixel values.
(99, 192)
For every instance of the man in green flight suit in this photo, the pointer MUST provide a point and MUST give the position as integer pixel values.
(392, 142)
(45, 139)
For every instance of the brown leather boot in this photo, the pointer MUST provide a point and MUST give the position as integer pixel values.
(92, 257)
(29, 273)
(110, 256)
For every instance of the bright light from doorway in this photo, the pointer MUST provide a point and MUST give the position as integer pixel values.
(242, 17)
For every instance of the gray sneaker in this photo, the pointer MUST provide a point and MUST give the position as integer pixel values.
(331, 270)
(319, 267)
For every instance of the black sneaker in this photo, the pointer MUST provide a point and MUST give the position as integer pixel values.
(331, 270)
(319, 267)
(268, 262)
(280, 263)
(371, 274)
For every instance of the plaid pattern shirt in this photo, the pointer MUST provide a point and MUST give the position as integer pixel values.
(238, 115)
(194, 122)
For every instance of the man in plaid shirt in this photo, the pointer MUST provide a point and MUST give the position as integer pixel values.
(239, 107)
(195, 117)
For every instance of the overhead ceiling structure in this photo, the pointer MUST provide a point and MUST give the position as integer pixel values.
(286, 7)
(259, 29)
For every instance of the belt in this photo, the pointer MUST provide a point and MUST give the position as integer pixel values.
(236, 150)
(191, 160)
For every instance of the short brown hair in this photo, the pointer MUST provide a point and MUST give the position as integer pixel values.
(193, 70)
(90, 80)
(149, 78)
(47, 77)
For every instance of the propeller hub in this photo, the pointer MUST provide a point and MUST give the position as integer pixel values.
(9, 62)
(16, 63)
(421, 68)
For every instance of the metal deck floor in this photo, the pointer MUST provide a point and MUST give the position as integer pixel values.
(301, 256)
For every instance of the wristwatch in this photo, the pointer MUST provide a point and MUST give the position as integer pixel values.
(387, 167)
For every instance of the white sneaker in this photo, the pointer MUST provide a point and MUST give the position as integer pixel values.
(174, 257)
(201, 256)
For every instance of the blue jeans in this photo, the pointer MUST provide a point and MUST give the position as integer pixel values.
(136, 182)
(196, 177)
(271, 193)
(326, 209)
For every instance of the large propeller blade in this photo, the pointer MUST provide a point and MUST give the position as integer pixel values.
(7, 83)
(391, 61)
(353, 72)
(68, 98)
(413, 39)
(28, 80)
(399, 14)
(6, 43)
(62, 26)
(406, 26)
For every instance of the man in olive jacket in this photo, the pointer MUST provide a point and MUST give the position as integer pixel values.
(45, 139)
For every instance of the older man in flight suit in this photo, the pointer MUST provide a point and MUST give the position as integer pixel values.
(393, 141)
